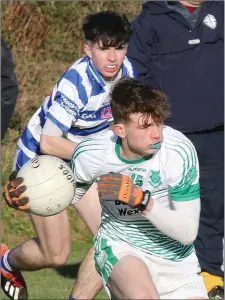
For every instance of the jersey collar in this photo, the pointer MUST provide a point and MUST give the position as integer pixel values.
(95, 76)
(126, 161)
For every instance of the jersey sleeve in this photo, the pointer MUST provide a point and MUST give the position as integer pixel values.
(87, 161)
(183, 172)
(66, 101)
(51, 129)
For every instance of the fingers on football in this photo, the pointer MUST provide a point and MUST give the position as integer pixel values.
(13, 175)
(24, 208)
(15, 193)
(20, 203)
(14, 183)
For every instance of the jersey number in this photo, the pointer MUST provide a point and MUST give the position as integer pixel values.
(137, 179)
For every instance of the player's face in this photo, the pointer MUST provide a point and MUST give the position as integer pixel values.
(139, 140)
(107, 60)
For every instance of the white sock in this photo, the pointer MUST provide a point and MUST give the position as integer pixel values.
(5, 262)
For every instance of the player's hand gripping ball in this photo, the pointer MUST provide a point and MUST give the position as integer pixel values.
(44, 186)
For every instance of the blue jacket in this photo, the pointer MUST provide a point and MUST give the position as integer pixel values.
(185, 60)
(9, 87)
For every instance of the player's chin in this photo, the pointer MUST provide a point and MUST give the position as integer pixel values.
(152, 151)
(110, 73)
(148, 152)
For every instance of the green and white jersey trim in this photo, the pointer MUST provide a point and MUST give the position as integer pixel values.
(141, 234)
(172, 174)
(183, 176)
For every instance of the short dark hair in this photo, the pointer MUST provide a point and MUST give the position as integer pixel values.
(110, 27)
(131, 96)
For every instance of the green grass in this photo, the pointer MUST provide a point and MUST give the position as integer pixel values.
(57, 283)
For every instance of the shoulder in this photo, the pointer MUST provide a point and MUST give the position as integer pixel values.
(148, 8)
(92, 147)
(173, 138)
(74, 83)
(77, 70)
(176, 144)
(89, 157)
(180, 165)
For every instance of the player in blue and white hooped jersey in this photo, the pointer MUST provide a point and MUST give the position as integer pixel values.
(77, 107)
(79, 104)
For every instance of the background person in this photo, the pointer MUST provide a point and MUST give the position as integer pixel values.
(9, 87)
(178, 46)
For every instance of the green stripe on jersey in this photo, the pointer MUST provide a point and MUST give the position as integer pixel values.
(188, 193)
(191, 156)
(142, 235)
(188, 154)
(84, 146)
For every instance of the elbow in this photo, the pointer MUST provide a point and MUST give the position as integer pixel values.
(189, 237)
(45, 145)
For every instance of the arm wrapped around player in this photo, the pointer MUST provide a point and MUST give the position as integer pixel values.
(13, 192)
(114, 186)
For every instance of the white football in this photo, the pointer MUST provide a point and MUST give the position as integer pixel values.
(50, 184)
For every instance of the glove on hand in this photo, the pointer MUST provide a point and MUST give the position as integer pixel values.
(13, 190)
(114, 186)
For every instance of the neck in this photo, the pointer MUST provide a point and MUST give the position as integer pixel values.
(192, 3)
(127, 153)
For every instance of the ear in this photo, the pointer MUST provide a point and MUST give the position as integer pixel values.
(119, 130)
(87, 50)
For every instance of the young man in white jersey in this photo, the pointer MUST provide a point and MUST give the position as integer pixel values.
(77, 107)
(144, 246)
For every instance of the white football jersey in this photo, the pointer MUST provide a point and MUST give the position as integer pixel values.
(171, 174)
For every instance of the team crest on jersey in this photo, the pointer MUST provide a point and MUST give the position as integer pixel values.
(155, 178)
(210, 21)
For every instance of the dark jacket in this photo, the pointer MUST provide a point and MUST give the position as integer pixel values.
(9, 88)
(184, 59)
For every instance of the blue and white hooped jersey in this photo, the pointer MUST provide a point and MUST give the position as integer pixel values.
(78, 105)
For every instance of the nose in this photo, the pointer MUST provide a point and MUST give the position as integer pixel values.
(111, 55)
(156, 132)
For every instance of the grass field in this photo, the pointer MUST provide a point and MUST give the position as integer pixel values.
(57, 283)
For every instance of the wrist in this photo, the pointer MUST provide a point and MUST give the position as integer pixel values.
(148, 207)
(145, 200)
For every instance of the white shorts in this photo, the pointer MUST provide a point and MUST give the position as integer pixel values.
(173, 280)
